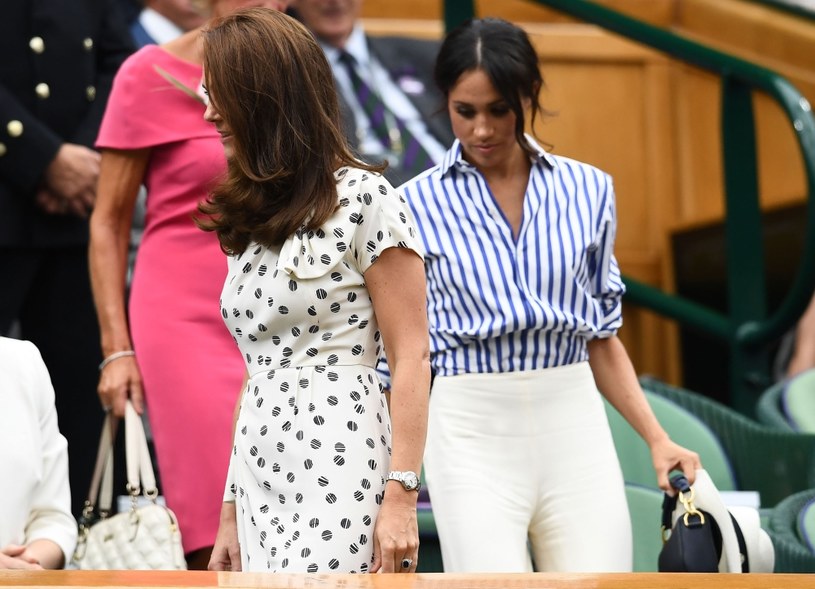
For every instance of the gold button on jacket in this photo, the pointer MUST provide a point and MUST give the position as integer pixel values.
(42, 90)
(37, 44)
(14, 128)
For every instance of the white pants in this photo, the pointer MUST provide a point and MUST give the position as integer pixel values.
(524, 459)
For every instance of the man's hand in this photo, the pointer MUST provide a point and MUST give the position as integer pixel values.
(70, 181)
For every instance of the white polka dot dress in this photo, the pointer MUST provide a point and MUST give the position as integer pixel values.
(312, 441)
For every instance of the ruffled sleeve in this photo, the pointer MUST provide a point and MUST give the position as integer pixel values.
(146, 109)
(384, 220)
(371, 217)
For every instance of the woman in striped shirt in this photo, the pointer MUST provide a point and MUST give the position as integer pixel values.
(524, 302)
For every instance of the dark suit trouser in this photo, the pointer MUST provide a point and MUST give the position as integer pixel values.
(48, 292)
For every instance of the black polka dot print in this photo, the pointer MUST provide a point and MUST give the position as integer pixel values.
(308, 474)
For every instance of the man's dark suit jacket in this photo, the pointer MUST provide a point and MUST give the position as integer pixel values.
(58, 61)
(412, 58)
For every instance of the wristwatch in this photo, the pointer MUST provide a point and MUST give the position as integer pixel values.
(408, 478)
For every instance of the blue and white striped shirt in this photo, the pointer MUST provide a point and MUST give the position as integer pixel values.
(501, 304)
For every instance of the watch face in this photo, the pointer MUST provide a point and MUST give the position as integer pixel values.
(410, 481)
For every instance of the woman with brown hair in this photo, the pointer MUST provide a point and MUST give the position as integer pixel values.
(165, 343)
(324, 271)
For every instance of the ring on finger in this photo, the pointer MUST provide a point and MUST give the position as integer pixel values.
(406, 563)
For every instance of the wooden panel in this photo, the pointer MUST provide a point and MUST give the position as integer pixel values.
(768, 37)
(660, 12)
(700, 154)
(181, 579)
(768, 33)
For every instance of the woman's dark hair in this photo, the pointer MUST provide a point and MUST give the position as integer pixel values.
(503, 52)
(271, 84)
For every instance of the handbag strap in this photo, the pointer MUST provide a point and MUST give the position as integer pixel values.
(684, 492)
(103, 466)
(140, 475)
(141, 478)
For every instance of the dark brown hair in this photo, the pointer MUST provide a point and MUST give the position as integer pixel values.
(504, 52)
(273, 87)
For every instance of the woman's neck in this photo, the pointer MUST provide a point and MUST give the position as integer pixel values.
(517, 164)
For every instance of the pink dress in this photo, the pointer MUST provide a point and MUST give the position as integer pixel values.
(191, 367)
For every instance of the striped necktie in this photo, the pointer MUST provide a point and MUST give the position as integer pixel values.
(394, 137)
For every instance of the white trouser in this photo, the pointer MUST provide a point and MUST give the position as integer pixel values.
(526, 459)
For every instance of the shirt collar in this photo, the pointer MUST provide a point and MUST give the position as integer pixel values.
(455, 158)
(159, 27)
(356, 46)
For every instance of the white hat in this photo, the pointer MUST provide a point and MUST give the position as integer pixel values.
(760, 553)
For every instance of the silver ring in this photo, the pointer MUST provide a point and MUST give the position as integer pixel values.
(406, 562)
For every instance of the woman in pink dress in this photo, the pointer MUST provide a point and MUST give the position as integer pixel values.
(173, 352)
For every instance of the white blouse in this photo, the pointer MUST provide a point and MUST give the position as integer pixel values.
(35, 498)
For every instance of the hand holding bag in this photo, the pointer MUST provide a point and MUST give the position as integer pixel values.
(145, 537)
(690, 544)
(701, 534)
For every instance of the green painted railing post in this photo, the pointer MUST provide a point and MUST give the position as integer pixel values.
(749, 365)
(456, 12)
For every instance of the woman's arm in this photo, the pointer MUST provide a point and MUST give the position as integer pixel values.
(617, 381)
(396, 283)
(45, 553)
(226, 552)
(120, 176)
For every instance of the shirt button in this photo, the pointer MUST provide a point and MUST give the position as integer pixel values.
(37, 44)
(42, 90)
(87, 43)
(3, 149)
(14, 128)
(90, 92)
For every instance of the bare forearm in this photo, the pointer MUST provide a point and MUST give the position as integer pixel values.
(108, 267)
(617, 381)
(120, 175)
(408, 407)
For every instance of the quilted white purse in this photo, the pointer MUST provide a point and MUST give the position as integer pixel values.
(146, 536)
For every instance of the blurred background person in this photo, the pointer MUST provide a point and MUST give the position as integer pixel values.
(161, 21)
(58, 63)
(390, 108)
(167, 344)
(37, 529)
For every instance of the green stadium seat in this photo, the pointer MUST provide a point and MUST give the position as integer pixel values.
(773, 462)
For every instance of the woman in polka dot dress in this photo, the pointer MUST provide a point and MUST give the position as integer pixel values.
(324, 272)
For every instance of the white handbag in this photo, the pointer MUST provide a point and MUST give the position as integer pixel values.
(144, 537)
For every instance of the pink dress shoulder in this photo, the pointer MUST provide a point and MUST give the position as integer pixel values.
(191, 367)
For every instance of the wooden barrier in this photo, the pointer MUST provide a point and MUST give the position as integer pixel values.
(172, 579)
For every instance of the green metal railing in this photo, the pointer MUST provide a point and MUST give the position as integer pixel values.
(747, 328)
(806, 11)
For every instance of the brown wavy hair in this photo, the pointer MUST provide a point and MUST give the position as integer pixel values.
(270, 82)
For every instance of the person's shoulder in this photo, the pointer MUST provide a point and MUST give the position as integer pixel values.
(360, 190)
(358, 181)
(10, 347)
(405, 41)
(17, 358)
(144, 57)
(567, 164)
(420, 52)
